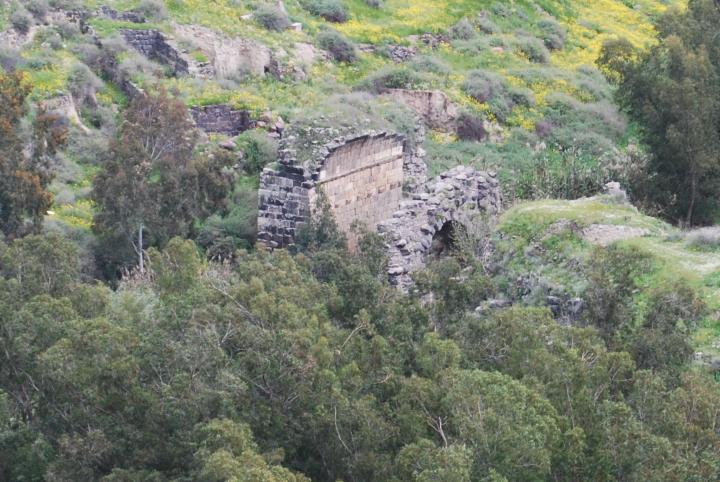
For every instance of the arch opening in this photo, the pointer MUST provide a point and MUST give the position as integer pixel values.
(443, 241)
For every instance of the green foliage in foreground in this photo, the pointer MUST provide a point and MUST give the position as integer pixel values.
(289, 368)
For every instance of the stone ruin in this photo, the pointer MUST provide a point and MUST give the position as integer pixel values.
(366, 178)
(424, 224)
(153, 45)
(222, 119)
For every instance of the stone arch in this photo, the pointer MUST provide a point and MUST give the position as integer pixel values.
(443, 241)
(454, 197)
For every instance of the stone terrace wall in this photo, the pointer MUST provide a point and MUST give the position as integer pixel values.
(153, 45)
(361, 176)
(455, 196)
(222, 119)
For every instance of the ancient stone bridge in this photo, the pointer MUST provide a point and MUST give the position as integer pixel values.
(363, 178)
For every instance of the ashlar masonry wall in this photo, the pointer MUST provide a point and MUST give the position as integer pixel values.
(361, 177)
(362, 180)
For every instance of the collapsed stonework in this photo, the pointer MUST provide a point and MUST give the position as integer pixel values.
(153, 45)
(454, 197)
(362, 177)
(222, 119)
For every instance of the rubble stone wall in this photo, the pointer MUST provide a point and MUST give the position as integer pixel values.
(222, 119)
(362, 178)
(153, 45)
(456, 196)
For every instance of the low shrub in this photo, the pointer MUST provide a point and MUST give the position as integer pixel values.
(534, 49)
(471, 127)
(152, 9)
(707, 239)
(341, 49)
(522, 96)
(391, 78)
(38, 8)
(373, 3)
(463, 30)
(67, 30)
(259, 150)
(487, 26)
(553, 34)
(271, 17)
(10, 59)
(330, 10)
(21, 20)
(428, 63)
(483, 85)
(83, 83)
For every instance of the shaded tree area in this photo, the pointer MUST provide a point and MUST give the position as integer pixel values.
(672, 90)
(152, 186)
(310, 367)
(25, 174)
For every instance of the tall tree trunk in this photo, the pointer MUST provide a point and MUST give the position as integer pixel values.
(693, 196)
(140, 249)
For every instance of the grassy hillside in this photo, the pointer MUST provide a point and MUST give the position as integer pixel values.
(557, 236)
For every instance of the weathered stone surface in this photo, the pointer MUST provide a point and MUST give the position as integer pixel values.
(227, 57)
(222, 119)
(453, 197)
(64, 106)
(361, 176)
(154, 45)
(132, 17)
(433, 106)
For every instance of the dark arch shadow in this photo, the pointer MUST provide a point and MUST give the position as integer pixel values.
(443, 241)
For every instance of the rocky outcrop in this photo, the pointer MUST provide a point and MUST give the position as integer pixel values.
(227, 57)
(432, 106)
(222, 119)
(65, 106)
(455, 196)
(153, 45)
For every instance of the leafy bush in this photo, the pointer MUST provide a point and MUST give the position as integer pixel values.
(21, 20)
(271, 18)
(487, 26)
(470, 127)
(428, 63)
(553, 34)
(38, 8)
(399, 77)
(522, 96)
(152, 9)
(10, 59)
(374, 3)
(83, 83)
(703, 239)
(488, 87)
(341, 49)
(222, 235)
(534, 49)
(483, 85)
(330, 10)
(463, 30)
(259, 150)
